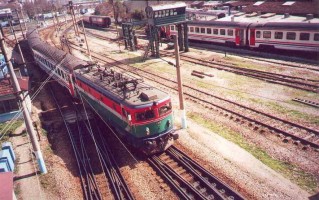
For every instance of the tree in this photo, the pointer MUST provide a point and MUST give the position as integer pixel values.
(138, 15)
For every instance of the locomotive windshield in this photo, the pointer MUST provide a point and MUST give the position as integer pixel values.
(146, 115)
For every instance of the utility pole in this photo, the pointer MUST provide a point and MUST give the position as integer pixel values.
(18, 44)
(26, 114)
(86, 42)
(180, 84)
(53, 19)
(20, 24)
(22, 15)
(73, 18)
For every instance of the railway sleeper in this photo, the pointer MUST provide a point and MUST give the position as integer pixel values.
(305, 147)
(286, 139)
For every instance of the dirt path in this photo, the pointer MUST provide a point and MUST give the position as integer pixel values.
(26, 174)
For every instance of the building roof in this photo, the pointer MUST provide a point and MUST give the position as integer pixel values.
(279, 7)
(5, 87)
(6, 185)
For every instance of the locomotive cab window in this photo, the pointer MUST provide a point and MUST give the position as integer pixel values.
(172, 28)
(304, 36)
(279, 35)
(257, 34)
(316, 37)
(291, 36)
(222, 31)
(165, 108)
(266, 34)
(142, 116)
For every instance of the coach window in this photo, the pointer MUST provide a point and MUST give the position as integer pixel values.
(316, 37)
(222, 31)
(209, 31)
(279, 35)
(257, 34)
(291, 36)
(230, 32)
(171, 12)
(215, 31)
(191, 29)
(167, 13)
(304, 36)
(196, 30)
(266, 34)
(202, 30)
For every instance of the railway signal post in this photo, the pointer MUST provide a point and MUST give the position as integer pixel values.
(180, 84)
(26, 114)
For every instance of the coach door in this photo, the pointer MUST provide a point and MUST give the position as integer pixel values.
(239, 37)
(252, 37)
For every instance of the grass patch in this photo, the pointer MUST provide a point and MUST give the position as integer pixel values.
(292, 172)
(9, 129)
(44, 132)
(293, 113)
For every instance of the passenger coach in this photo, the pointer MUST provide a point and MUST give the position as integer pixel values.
(289, 36)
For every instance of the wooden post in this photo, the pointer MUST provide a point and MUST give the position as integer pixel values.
(180, 84)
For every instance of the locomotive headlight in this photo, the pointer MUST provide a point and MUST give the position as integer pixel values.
(147, 131)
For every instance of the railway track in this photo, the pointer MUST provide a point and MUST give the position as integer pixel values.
(258, 120)
(188, 178)
(92, 161)
(286, 80)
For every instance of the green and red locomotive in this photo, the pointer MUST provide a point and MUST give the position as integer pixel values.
(141, 114)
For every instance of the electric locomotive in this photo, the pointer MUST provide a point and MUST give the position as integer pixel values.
(141, 114)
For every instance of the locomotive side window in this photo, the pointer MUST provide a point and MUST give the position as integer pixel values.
(266, 34)
(257, 34)
(215, 31)
(202, 30)
(165, 108)
(222, 31)
(209, 31)
(279, 35)
(230, 32)
(191, 29)
(316, 37)
(124, 113)
(304, 36)
(291, 36)
(196, 29)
